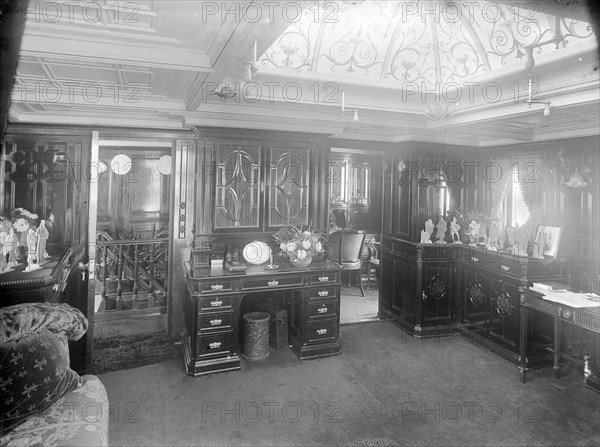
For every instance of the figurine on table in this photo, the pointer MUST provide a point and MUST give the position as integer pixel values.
(440, 234)
(31, 252)
(426, 234)
(454, 229)
(494, 236)
(42, 237)
(9, 248)
(473, 232)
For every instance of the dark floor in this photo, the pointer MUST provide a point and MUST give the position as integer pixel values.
(384, 389)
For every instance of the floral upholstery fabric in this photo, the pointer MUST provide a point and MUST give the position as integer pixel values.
(34, 373)
(44, 401)
(80, 418)
(21, 320)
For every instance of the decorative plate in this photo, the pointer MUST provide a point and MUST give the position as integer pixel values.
(256, 252)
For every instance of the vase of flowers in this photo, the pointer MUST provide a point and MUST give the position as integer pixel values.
(299, 246)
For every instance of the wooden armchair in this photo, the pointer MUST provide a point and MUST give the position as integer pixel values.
(374, 260)
(346, 249)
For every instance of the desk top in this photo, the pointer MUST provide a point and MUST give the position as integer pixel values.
(537, 299)
(46, 275)
(260, 270)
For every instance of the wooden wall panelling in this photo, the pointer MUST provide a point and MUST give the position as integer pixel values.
(184, 164)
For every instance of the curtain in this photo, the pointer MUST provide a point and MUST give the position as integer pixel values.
(530, 177)
(499, 185)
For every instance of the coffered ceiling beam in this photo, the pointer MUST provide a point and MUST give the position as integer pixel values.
(115, 52)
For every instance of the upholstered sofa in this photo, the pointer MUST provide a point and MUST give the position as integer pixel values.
(45, 402)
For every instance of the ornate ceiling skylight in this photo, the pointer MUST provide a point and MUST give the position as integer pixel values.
(425, 42)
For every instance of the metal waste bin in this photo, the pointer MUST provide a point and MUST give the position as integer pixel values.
(256, 336)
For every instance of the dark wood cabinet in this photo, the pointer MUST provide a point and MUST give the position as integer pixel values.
(260, 186)
(489, 300)
(418, 286)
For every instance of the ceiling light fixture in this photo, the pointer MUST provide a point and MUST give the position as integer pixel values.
(344, 109)
(531, 100)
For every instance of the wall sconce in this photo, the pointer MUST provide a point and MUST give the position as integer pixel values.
(164, 165)
(344, 109)
(121, 164)
(530, 99)
(576, 179)
(229, 88)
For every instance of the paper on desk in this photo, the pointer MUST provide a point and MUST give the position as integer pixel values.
(571, 299)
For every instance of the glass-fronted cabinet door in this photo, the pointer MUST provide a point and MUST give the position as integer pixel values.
(238, 187)
(288, 187)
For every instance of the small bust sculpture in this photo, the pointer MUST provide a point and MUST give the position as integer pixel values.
(442, 227)
(42, 237)
(31, 252)
(454, 229)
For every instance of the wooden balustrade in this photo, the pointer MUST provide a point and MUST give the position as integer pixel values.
(132, 274)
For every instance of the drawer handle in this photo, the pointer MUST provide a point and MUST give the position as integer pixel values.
(474, 259)
(273, 283)
(323, 278)
(321, 331)
(322, 310)
(323, 293)
(217, 303)
(217, 286)
(216, 322)
(505, 268)
(214, 344)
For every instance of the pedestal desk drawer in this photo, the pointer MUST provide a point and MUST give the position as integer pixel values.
(322, 309)
(322, 330)
(272, 282)
(216, 302)
(324, 278)
(323, 292)
(214, 343)
(214, 321)
(215, 286)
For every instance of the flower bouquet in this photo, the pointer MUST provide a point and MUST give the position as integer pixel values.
(298, 246)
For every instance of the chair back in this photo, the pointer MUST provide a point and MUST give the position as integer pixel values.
(346, 245)
(373, 249)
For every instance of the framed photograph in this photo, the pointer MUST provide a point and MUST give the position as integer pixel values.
(547, 239)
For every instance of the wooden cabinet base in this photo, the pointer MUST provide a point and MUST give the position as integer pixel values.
(199, 367)
(308, 352)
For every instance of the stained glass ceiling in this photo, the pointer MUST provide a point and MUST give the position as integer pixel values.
(426, 43)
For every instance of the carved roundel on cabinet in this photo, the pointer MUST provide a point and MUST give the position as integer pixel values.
(503, 303)
(475, 292)
(437, 287)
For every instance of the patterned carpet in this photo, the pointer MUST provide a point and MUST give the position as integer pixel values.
(117, 353)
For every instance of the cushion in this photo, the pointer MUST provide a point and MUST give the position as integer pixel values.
(28, 318)
(34, 358)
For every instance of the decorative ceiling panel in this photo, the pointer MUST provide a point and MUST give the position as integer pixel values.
(431, 43)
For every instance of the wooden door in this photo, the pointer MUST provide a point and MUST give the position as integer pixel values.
(136, 204)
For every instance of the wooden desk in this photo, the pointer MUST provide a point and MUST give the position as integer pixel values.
(43, 285)
(212, 311)
(587, 318)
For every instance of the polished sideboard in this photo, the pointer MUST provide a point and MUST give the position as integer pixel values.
(310, 295)
(432, 290)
